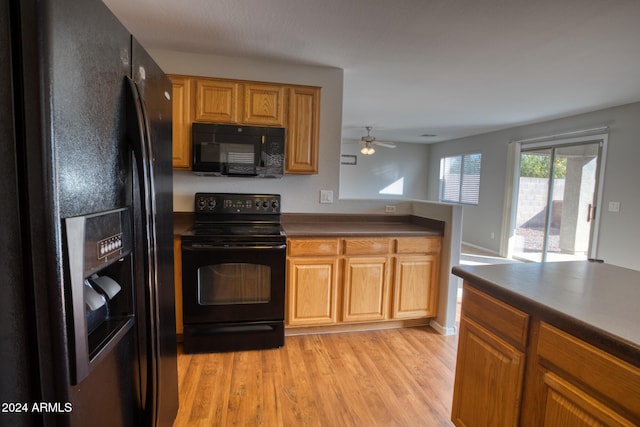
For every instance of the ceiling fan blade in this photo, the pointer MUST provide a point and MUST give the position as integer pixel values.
(385, 144)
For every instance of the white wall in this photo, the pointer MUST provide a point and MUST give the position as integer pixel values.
(619, 233)
(405, 164)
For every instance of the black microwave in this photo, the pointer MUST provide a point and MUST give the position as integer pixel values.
(230, 150)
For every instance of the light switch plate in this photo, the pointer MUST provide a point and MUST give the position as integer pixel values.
(326, 196)
(614, 206)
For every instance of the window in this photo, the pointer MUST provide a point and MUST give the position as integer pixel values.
(460, 179)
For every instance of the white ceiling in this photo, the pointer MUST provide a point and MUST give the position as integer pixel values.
(411, 67)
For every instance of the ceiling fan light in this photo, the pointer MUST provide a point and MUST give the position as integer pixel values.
(367, 150)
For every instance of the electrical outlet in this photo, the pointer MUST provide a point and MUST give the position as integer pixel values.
(326, 196)
(390, 209)
(614, 206)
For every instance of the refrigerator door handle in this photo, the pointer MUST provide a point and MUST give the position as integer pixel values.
(139, 134)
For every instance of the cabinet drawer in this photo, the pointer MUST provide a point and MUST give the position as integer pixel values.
(307, 247)
(418, 245)
(613, 378)
(366, 246)
(497, 316)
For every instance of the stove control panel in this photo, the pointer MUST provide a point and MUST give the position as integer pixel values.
(239, 204)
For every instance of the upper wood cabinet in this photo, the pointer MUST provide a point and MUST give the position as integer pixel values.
(222, 101)
(217, 101)
(211, 100)
(303, 129)
(263, 104)
(181, 122)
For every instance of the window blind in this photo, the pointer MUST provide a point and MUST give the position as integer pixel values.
(460, 178)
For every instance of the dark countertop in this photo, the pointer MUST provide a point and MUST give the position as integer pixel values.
(599, 303)
(340, 225)
(351, 225)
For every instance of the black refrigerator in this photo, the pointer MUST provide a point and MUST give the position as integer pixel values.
(87, 308)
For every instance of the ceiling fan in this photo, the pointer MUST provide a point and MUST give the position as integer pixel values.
(369, 141)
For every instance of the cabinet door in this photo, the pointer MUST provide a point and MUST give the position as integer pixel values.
(217, 101)
(365, 289)
(263, 104)
(311, 291)
(181, 122)
(489, 379)
(567, 405)
(415, 286)
(303, 130)
(584, 385)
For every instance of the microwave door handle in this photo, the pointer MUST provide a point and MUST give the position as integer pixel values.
(139, 135)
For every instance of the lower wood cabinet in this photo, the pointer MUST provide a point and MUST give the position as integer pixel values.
(489, 378)
(581, 385)
(359, 280)
(365, 289)
(414, 296)
(490, 363)
(311, 291)
(514, 369)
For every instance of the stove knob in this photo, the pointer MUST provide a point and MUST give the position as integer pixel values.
(265, 204)
(274, 204)
(211, 203)
(201, 203)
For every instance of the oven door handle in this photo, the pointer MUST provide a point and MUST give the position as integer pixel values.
(208, 246)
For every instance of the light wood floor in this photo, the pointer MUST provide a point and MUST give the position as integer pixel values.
(397, 377)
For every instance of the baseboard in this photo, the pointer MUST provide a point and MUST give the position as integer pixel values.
(354, 327)
(491, 251)
(442, 330)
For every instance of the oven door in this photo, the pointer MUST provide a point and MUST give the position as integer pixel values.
(223, 284)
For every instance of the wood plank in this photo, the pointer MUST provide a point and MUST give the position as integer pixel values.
(397, 377)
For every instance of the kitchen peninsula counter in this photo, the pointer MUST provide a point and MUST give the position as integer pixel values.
(599, 303)
(548, 344)
(366, 225)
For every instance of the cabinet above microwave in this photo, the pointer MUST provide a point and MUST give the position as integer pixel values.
(224, 101)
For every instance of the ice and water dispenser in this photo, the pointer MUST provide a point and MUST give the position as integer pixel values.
(100, 274)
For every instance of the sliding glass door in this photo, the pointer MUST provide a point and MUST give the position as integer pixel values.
(556, 206)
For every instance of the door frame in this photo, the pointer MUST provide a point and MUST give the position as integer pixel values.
(514, 150)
